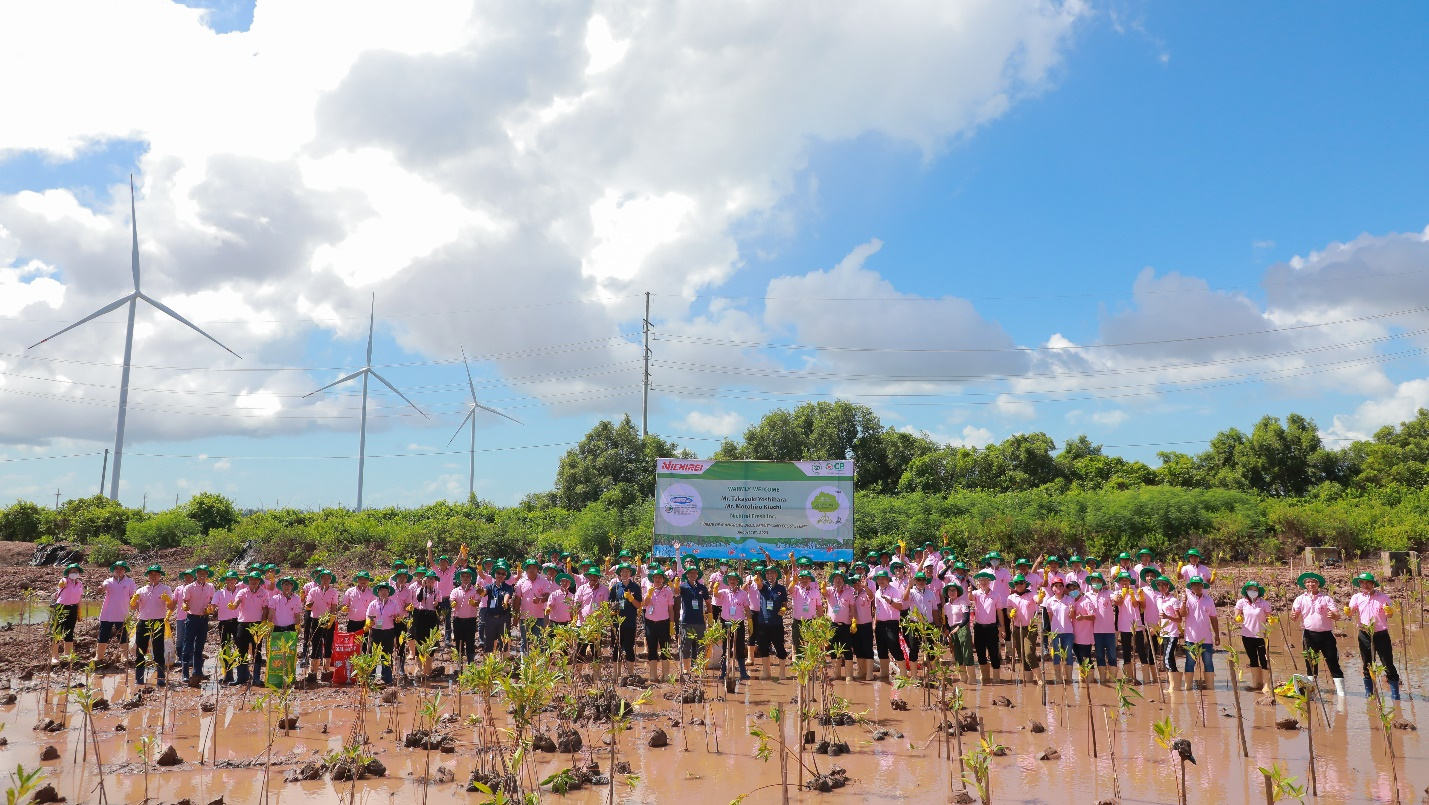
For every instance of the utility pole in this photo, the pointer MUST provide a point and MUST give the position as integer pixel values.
(145, 506)
(645, 388)
(57, 500)
(104, 473)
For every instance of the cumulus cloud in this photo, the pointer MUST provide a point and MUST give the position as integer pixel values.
(726, 423)
(508, 157)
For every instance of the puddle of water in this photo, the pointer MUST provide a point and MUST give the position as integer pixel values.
(1350, 753)
(38, 611)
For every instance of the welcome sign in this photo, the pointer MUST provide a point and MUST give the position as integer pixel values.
(740, 509)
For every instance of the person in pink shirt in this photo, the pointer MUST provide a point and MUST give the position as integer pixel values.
(1200, 628)
(321, 604)
(197, 600)
(224, 595)
(1370, 609)
(531, 593)
(466, 609)
(658, 606)
(732, 603)
(285, 608)
(957, 631)
(806, 602)
(251, 603)
(66, 599)
(1193, 567)
(305, 647)
(1083, 624)
(1168, 610)
(888, 608)
(1317, 614)
(1130, 634)
(989, 618)
(1060, 608)
(589, 597)
(1022, 607)
(114, 612)
(446, 580)
(353, 603)
(561, 602)
(838, 606)
(383, 619)
(922, 602)
(1253, 613)
(1096, 606)
(152, 604)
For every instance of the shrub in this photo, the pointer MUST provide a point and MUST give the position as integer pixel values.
(105, 551)
(164, 530)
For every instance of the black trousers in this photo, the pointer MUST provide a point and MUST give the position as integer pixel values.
(249, 649)
(1255, 651)
(1323, 642)
(987, 644)
(309, 623)
(626, 649)
(862, 641)
(769, 637)
(841, 647)
(227, 635)
(494, 629)
(386, 639)
(796, 631)
(885, 636)
(734, 645)
(464, 637)
(150, 635)
(320, 641)
(1379, 644)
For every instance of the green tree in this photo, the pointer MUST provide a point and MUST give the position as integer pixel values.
(823, 430)
(211, 510)
(25, 522)
(164, 530)
(611, 464)
(84, 519)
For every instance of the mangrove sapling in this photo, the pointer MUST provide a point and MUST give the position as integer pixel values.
(431, 712)
(1384, 712)
(957, 708)
(1278, 786)
(23, 784)
(528, 691)
(1167, 734)
(269, 702)
(1297, 700)
(1125, 693)
(228, 659)
(714, 635)
(1085, 669)
(980, 762)
(144, 748)
(1194, 651)
(1233, 659)
(260, 632)
(620, 716)
(363, 667)
(763, 751)
(86, 697)
(353, 756)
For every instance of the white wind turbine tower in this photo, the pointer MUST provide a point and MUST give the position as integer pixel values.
(471, 415)
(132, 300)
(364, 372)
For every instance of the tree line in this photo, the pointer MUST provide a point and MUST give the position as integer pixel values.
(1256, 495)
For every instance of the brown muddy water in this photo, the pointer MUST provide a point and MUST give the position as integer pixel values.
(905, 767)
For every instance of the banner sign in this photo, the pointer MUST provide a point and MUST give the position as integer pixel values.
(740, 509)
(282, 659)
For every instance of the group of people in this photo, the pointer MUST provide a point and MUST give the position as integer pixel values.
(1131, 619)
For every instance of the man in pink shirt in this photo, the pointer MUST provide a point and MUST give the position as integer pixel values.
(988, 618)
(532, 590)
(888, 607)
(1317, 613)
(354, 601)
(225, 605)
(805, 604)
(67, 598)
(152, 605)
(251, 603)
(321, 603)
(1022, 607)
(1200, 628)
(197, 601)
(118, 589)
(1370, 609)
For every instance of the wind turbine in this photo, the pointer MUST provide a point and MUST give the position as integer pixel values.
(132, 300)
(471, 415)
(364, 372)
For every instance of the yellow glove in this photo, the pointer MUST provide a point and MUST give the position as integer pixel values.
(1239, 619)
(1272, 620)
(367, 624)
(1040, 595)
(63, 581)
(342, 609)
(134, 601)
(672, 627)
(168, 599)
(853, 625)
(1347, 610)
(1389, 610)
(234, 605)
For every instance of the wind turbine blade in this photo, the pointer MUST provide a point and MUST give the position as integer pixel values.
(371, 324)
(115, 305)
(470, 412)
(398, 393)
(165, 308)
(469, 384)
(338, 382)
(134, 224)
(498, 413)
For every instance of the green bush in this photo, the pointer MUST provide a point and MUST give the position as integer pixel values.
(105, 551)
(164, 530)
(25, 522)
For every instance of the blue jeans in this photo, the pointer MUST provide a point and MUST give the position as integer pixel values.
(195, 635)
(1104, 648)
(1207, 650)
(1062, 647)
(531, 632)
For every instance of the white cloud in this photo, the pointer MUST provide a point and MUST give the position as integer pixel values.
(1370, 416)
(727, 423)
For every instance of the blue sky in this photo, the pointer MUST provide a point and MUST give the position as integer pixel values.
(1213, 143)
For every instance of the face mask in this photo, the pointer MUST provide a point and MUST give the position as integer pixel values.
(996, 563)
(1096, 586)
(1075, 593)
(1252, 594)
(74, 577)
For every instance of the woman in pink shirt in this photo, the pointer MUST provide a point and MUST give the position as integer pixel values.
(152, 605)
(732, 603)
(1253, 614)
(67, 597)
(861, 628)
(560, 604)
(988, 619)
(888, 607)
(466, 609)
(1021, 609)
(1096, 605)
(659, 627)
(1200, 628)
(589, 598)
(321, 604)
(838, 607)
(382, 620)
(251, 604)
(956, 629)
(1370, 609)
(1317, 613)
(1131, 636)
(1083, 623)
(114, 612)
(1060, 608)
(354, 601)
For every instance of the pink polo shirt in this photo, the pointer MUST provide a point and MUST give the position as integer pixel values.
(1127, 609)
(924, 602)
(1150, 609)
(179, 593)
(286, 610)
(222, 597)
(733, 603)
(321, 601)
(1369, 609)
(427, 598)
(1197, 624)
(1100, 605)
(1083, 631)
(70, 592)
(1170, 610)
(805, 601)
(955, 612)
(1059, 613)
(839, 603)
(659, 603)
(117, 593)
(251, 604)
(590, 597)
(152, 606)
(466, 602)
(446, 580)
(1023, 607)
(198, 597)
(558, 606)
(888, 603)
(1253, 615)
(383, 614)
(532, 595)
(356, 600)
(1314, 611)
(984, 606)
(1187, 571)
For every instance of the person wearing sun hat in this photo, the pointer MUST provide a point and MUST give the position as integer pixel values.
(320, 606)
(494, 617)
(1252, 613)
(1060, 606)
(988, 619)
(589, 597)
(1075, 571)
(114, 612)
(1021, 608)
(1317, 614)
(625, 596)
(1200, 627)
(225, 606)
(957, 632)
(1134, 649)
(66, 599)
(888, 608)
(732, 601)
(196, 599)
(382, 624)
(1370, 610)
(772, 600)
(466, 610)
(251, 605)
(353, 603)
(532, 590)
(179, 645)
(1150, 630)
(560, 604)
(1168, 607)
(658, 608)
(1144, 559)
(306, 640)
(153, 604)
(1192, 567)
